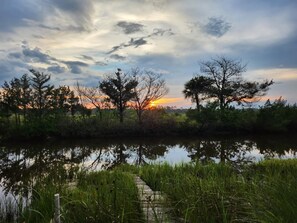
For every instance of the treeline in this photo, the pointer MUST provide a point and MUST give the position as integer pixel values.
(120, 105)
(273, 117)
(31, 107)
(220, 89)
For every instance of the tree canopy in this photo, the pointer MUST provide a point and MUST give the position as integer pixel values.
(120, 90)
(197, 89)
(225, 83)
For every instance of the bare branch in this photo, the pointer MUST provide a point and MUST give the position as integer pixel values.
(151, 87)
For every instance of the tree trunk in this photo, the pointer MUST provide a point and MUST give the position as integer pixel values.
(197, 102)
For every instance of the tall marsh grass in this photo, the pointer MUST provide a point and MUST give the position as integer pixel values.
(98, 197)
(263, 192)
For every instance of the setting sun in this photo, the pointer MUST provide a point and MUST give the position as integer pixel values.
(152, 104)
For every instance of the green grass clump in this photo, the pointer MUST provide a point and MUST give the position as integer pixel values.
(113, 193)
(263, 192)
(98, 197)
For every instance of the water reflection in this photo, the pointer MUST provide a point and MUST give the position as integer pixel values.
(234, 152)
(22, 164)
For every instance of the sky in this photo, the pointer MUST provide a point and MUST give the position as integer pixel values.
(75, 40)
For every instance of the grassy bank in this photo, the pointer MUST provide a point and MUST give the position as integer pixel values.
(262, 192)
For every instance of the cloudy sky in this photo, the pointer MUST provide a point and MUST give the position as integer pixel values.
(81, 40)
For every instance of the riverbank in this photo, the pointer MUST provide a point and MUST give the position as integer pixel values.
(78, 129)
(276, 118)
(261, 192)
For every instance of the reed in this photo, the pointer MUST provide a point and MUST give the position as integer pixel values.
(262, 192)
(98, 197)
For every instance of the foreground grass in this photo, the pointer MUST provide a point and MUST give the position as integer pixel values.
(264, 192)
(98, 197)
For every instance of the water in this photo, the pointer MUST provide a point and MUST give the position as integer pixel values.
(22, 164)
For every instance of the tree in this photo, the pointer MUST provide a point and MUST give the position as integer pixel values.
(197, 89)
(120, 90)
(25, 95)
(151, 87)
(63, 100)
(16, 96)
(11, 98)
(91, 95)
(228, 85)
(74, 103)
(41, 92)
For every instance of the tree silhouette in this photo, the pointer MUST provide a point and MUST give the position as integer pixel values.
(91, 95)
(150, 87)
(41, 92)
(197, 89)
(120, 90)
(228, 85)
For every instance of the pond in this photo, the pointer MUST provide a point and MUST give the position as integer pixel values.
(22, 164)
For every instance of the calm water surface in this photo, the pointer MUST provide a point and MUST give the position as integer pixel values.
(22, 164)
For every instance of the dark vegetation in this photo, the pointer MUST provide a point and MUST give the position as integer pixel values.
(30, 107)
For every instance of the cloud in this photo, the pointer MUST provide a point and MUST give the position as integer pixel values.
(85, 57)
(136, 42)
(15, 55)
(161, 39)
(130, 27)
(80, 12)
(14, 13)
(11, 68)
(36, 55)
(117, 57)
(64, 28)
(75, 63)
(49, 27)
(280, 54)
(56, 69)
(89, 58)
(5, 71)
(161, 32)
(277, 74)
(100, 63)
(38, 36)
(133, 42)
(216, 27)
(75, 66)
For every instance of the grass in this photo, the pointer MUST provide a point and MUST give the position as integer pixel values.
(263, 192)
(98, 197)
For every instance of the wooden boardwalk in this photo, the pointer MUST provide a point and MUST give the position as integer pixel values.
(152, 203)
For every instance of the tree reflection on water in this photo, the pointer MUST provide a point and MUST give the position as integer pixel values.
(23, 164)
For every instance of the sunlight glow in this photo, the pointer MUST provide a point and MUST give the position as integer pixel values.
(153, 104)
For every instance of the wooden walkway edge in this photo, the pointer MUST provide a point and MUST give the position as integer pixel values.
(152, 203)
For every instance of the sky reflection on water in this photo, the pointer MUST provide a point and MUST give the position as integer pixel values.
(20, 164)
